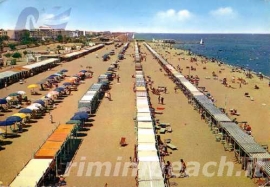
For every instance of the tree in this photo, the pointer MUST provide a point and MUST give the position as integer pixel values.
(17, 55)
(2, 39)
(26, 39)
(24, 52)
(12, 46)
(8, 55)
(13, 62)
(59, 38)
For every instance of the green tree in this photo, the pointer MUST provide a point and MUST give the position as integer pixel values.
(13, 62)
(2, 39)
(17, 55)
(26, 39)
(12, 46)
(59, 38)
(8, 55)
(24, 52)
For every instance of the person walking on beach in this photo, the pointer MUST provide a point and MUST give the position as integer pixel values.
(6, 85)
(118, 78)
(175, 89)
(159, 99)
(51, 118)
(162, 100)
(183, 169)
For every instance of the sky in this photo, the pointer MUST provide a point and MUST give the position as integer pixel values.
(142, 16)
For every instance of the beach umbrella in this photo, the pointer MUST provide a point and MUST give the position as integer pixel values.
(32, 107)
(6, 123)
(58, 74)
(51, 77)
(32, 86)
(3, 101)
(40, 102)
(37, 105)
(81, 113)
(21, 115)
(13, 94)
(64, 70)
(84, 109)
(79, 117)
(59, 89)
(14, 119)
(21, 92)
(83, 71)
(25, 111)
(67, 84)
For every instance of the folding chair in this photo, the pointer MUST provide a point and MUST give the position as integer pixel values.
(123, 141)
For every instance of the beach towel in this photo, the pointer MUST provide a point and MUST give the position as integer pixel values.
(160, 108)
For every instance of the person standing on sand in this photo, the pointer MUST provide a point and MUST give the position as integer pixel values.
(183, 169)
(51, 118)
(159, 99)
(162, 100)
(6, 85)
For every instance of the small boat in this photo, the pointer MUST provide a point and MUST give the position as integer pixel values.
(201, 42)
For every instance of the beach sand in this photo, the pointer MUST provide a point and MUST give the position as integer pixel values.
(114, 119)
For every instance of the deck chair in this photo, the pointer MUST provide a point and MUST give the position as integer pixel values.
(123, 141)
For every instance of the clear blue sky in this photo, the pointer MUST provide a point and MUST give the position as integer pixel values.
(160, 16)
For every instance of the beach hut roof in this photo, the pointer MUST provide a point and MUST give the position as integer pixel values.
(7, 74)
(32, 173)
(42, 63)
(149, 171)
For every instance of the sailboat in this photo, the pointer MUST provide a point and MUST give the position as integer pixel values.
(201, 42)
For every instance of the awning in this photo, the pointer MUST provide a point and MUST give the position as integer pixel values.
(42, 63)
(7, 74)
(31, 174)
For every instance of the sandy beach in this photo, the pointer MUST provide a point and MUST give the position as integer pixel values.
(114, 119)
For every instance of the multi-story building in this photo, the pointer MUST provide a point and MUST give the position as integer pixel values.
(3, 32)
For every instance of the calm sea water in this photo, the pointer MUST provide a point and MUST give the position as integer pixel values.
(251, 51)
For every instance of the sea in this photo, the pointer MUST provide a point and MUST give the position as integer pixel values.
(249, 51)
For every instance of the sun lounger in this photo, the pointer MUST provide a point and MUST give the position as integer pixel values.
(169, 129)
(164, 125)
(171, 146)
(228, 147)
(162, 130)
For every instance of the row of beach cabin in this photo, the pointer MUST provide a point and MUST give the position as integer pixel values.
(149, 165)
